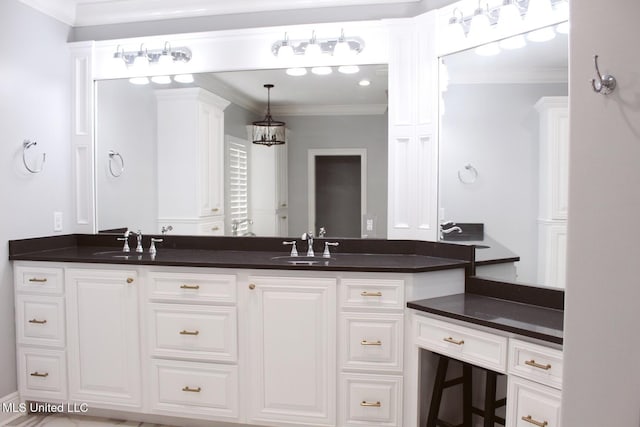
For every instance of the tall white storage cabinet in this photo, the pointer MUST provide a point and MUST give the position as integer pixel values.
(553, 189)
(191, 161)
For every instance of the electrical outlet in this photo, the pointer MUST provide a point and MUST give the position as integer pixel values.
(57, 221)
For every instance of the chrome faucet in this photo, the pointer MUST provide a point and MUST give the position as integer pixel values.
(237, 222)
(451, 228)
(309, 238)
(125, 239)
(322, 232)
(139, 248)
(152, 245)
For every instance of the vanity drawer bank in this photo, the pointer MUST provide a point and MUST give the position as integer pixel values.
(510, 329)
(225, 331)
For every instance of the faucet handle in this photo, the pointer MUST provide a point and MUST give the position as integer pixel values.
(139, 248)
(126, 247)
(294, 250)
(326, 253)
(152, 246)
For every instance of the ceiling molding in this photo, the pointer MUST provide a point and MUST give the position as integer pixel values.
(79, 13)
(329, 110)
(211, 83)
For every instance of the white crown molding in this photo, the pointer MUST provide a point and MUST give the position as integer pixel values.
(62, 10)
(213, 84)
(119, 11)
(530, 76)
(329, 110)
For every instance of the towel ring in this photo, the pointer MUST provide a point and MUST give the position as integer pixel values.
(26, 144)
(469, 175)
(113, 154)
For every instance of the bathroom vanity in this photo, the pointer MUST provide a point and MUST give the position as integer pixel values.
(227, 330)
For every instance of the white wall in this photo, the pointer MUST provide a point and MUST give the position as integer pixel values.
(309, 132)
(126, 123)
(35, 102)
(495, 127)
(602, 316)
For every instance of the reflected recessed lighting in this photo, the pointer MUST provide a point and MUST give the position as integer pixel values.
(161, 80)
(183, 78)
(541, 35)
(298, 71)
(139, 80)
(364, 82)
(321, 71)
(348, 69)
(515, 42)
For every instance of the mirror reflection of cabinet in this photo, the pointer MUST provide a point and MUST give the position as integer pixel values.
(553, 189)
(191, 161)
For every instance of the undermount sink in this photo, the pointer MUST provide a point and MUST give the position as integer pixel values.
(302, 260)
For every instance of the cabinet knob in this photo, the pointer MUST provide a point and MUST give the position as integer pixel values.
(284, 217)
(129, 279)
(252, 286)
(284, 205)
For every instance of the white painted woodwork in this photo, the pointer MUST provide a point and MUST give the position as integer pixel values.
(378, 294)
(370, 400)
(196, 390)
(535, 362)
(413, 129)
(187, 286)
(42, 373)
(463, 343)
(528, 402)
(191, 147)
(292, 350)
(193, 332)
(41, 320)
(104, 337)
(39, 280)
(553, 189)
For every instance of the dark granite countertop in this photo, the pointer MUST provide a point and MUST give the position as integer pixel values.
(489, 251)
(523, 310)
(248, 253)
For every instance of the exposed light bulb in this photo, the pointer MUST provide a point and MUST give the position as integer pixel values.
(321, 71)
(348, 69)
(538, 12)
(139, 80)
(342, 49)
(183, 78)
(489, 49)
(285, 51)
(364, 82)
(455, 29)
(480, 25)
(509, 21)
(165, 59)
(313, 49)
(296, 72)
(161, 80)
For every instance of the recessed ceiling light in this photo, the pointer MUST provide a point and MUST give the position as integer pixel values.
(139, 80)
(348, 69)
(183, 78)
(364, 82)
(321, 71)
(298, 71)
(161, 80)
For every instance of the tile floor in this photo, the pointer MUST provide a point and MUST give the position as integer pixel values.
(63, 420)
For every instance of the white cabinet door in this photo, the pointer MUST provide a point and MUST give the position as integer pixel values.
(292, 350)
(103, 338)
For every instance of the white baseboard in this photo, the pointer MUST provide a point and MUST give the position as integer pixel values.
(9, 401)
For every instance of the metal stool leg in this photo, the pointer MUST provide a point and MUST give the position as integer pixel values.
(438, 388)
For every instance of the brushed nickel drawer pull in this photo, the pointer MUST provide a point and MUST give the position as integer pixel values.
(529, 419)
(215, 228)
(36, 280)
(129, 279)
(452, 341)
(38, 374)
(365, 342)
(39, 322)
(371, 404)
(192, 390)
(537, 365)
(190, 287)
(215, 210)
(185, 332)
(371, 294)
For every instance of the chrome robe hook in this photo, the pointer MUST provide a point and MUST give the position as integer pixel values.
(604, 84)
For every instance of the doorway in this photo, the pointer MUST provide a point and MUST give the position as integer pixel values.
(337, 191)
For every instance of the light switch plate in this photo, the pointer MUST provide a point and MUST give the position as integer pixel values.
(57, 221)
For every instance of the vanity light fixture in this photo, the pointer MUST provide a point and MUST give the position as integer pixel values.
(509, 22)
(141, 61)
(296, 72)
(339, 46)
(268, 131)
(537, 12)
(144, 56)
(455, 29)
(321, 71)
(480, 24)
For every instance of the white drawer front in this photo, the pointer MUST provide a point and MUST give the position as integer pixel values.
(42, 373)
(371, 400)
(212, 228)
(192, 287)
(41, 280)
(371, 342)
(532, 405)
(194, 389)
(535, 362)
(200, 332)
(40, 320)
(371, 293)
(462, 343)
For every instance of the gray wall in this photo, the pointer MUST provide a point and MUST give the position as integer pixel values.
(236, 120)
(495, 128)
(313, 132)
(35, 102)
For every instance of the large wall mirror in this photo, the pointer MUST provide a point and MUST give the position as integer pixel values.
(341, 118)
(503, 154)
